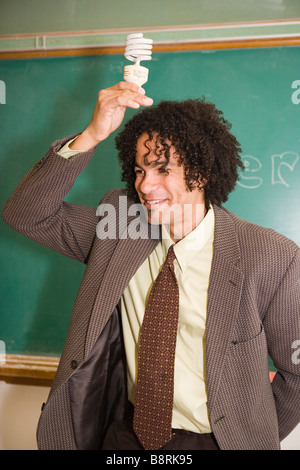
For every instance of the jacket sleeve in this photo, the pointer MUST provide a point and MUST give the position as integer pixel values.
(37, 208)
(282, 327)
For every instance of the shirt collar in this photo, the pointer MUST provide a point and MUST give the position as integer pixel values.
(186, 249)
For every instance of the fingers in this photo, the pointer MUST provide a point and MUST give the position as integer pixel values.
(129, 86)
(134, 100)
(126, 95)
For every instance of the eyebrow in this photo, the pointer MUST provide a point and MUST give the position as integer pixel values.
(138, 166)
(155, 163)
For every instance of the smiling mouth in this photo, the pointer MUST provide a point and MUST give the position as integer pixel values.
(155, 202)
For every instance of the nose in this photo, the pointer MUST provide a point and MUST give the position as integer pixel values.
(147, 183)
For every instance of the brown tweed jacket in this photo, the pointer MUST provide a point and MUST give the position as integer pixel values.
(253, 311)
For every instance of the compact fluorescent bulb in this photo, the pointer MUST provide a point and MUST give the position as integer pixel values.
(137, 49)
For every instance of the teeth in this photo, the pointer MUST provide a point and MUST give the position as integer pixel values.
(154, 202)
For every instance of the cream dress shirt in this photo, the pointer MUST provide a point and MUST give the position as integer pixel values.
(192, 268)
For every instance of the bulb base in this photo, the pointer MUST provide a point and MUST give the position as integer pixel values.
(136, 74)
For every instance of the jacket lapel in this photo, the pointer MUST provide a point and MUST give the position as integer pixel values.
(128, 256)
(225, 287)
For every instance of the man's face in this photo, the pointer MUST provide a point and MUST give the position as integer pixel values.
(162, 189)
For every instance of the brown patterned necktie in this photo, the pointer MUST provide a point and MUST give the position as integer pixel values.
(155, 381)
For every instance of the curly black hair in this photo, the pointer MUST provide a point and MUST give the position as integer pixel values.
(201, 137)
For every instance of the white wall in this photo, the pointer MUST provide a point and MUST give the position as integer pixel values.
(20, 407)
(292, 442)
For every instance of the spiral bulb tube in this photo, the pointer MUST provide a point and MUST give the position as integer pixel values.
(137, 49)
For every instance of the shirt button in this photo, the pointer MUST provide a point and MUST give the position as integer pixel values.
(74, 364)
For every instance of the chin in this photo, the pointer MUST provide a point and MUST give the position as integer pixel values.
(155, 219)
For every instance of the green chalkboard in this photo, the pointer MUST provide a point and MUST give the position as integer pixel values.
(258, 90)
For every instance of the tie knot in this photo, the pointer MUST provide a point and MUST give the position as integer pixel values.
(170, 257)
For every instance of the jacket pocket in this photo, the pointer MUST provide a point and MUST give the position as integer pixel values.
(250, 339)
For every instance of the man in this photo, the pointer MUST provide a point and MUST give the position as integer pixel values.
(236, 289)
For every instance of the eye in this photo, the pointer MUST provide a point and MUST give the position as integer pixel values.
(163, 170)
(138, 171)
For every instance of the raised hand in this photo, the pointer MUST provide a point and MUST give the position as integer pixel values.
(109, 113)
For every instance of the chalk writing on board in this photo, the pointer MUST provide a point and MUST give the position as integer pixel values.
(251, 179)
(296, 94)
(280, 161)
(2, 92)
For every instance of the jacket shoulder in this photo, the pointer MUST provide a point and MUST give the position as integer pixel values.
(112, 196)
(257, 238)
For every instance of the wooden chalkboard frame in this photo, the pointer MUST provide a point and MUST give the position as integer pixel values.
(28, 370)
(168, 47)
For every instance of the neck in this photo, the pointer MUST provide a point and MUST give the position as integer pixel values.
(190, 219)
